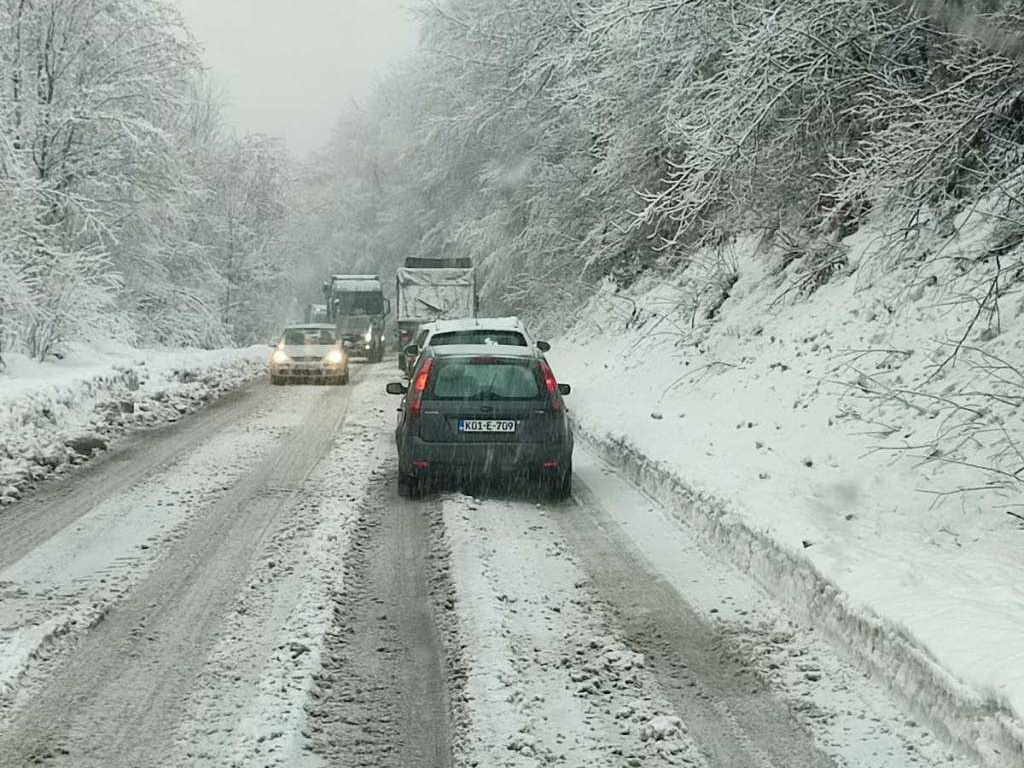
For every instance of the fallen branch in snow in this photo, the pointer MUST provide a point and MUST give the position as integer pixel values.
(812, 278)
(708, 367)
(991, 299)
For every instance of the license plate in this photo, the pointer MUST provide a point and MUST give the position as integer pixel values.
(486, 425)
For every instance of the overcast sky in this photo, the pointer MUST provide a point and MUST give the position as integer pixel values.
(290, 68)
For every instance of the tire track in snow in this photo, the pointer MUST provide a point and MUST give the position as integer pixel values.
(69, 582)
(547, 678)
(249, 706)
(730, 711)
(140, 455)
(381, 698)
(854, 716)
(115, 699)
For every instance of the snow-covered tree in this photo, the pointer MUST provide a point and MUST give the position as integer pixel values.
(128, 209)
(88, 88)
(603, 138)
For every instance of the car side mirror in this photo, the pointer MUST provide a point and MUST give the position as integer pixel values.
(564, 389)
(543, 346)
(411, 350)
(396, 388)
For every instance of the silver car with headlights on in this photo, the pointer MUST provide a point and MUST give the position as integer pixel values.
(310, 352)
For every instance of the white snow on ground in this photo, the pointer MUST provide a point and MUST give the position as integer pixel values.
(63, 588)
(763, 429)
(249, 707)
(546, 684)
(98, 392)
(852, 719)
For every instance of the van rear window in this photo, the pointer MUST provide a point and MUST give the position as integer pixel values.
(484, 378)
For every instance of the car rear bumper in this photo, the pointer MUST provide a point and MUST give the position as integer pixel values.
(473, 460)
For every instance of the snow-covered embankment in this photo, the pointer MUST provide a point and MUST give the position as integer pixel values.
(53, 415)
(787, 432)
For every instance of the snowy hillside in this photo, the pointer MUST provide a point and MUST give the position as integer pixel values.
(821, 443)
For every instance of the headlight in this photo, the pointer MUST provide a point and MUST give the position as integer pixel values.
(334, 357)
(279, 357)
(368, 335)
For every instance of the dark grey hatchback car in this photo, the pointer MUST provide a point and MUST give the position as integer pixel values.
(483, 414)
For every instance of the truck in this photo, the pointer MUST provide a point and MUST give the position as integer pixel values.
(358, 309)
(429, 289)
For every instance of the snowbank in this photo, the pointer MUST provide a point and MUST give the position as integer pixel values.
(813, 440)
(53, 415)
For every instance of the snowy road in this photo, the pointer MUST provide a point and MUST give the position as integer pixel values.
(245, 588)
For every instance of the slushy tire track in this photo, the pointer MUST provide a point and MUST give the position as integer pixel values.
(381, 698)
(134, 459)
(114, 700)
(729, 710)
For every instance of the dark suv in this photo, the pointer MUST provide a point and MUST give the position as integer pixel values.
(483, 413)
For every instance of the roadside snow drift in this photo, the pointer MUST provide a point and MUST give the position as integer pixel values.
(56, 414)
(821, 442)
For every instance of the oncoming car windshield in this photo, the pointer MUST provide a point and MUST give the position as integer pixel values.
(308, 337)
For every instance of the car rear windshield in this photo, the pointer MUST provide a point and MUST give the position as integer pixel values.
(484, 378)
(308, 337)
(479, 336)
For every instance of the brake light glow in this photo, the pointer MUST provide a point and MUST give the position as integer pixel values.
(423, 376)
(551, 385)
(419, 386)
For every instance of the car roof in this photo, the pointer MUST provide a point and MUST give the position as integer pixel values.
(486, 350)
(475, 323)
(310, 327)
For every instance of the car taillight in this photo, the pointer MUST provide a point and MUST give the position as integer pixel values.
(551, 385)
(419, 386)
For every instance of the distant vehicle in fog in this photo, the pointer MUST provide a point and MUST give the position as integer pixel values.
(315, 313)
(507, 331)
(310, 352)
(359, 311)
(483, 414)
(427, 290)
